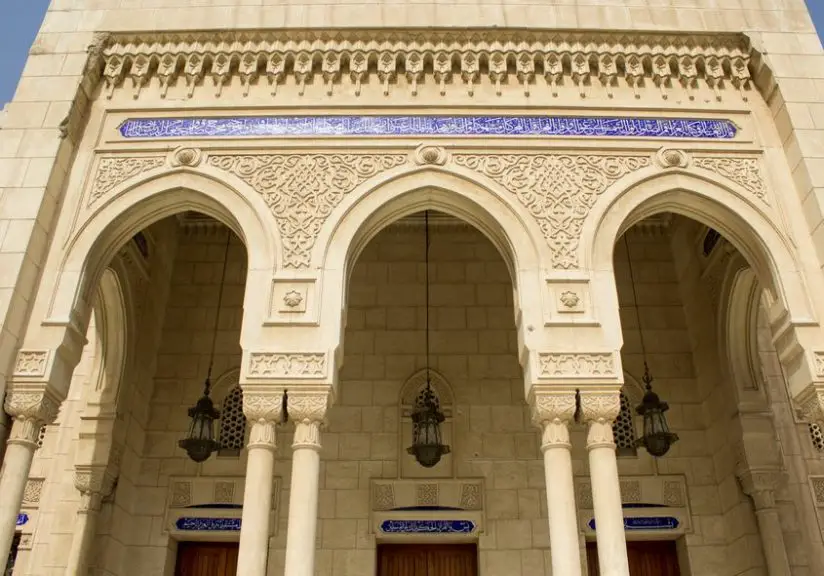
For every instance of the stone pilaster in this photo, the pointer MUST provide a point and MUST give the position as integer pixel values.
(761, 486)
(95, 483)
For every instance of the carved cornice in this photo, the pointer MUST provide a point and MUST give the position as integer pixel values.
(453, 59)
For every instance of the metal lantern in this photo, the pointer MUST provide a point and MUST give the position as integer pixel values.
(427, 447)
(657, 438)
(200, 442)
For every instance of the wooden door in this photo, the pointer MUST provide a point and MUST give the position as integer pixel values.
(427, 560)
(206, 559)
(658, 558)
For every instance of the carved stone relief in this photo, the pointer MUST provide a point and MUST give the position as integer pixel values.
(746, 172)
(287, 365)
(114, 171)
(558, 190)
(33, 491)
(31, 363)
(181, 494)
(302, 190)
(580, 365)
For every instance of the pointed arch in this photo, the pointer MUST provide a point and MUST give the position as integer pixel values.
(139, 204)
(747, 227)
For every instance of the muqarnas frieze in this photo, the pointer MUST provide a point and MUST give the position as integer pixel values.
(558, 190)
(303, 189)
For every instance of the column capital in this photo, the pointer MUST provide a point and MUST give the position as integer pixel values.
(552, 410)
(30, 409)
(264, 410)
(760, 485)
(307, 409)
(601, 404)
(810, 403)
(599, 408)
(94, 482)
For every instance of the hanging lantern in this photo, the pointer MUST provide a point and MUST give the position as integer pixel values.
(427, 417)
(657, 438)
(200, 442)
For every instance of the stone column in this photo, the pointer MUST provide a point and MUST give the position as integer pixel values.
(552, 411)
(29, 411)
(600, 410)
(264, 413)
(307, 410)
(94, 483)
(760, 485)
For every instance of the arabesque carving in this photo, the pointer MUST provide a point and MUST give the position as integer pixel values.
(115, 170)
(302, 190)
(31, 363)
(746, 172)
(287, 365)
(558, 190)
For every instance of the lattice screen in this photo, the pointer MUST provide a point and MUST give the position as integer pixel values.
(623, 429)
(232, 424)
(817, 437)
(41, 436)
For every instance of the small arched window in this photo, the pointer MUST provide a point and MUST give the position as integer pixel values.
(817, 437)
(232, 424)
(623, 429)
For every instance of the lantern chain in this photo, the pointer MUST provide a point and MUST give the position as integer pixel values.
(647, 377)
(217, 314)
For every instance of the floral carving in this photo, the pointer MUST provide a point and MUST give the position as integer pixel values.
(673, 494)
(114, 171)
(427, 495)
(293, 298)
(585, 496)
(302, 190)
(470, 497)
(33, 491)
(746, 172)
(263, 407)
(569, 299)
(601, 407)
(818, 361)
(580, 365)
(383, 497)
(558, 190)
(224, 492)
(630, 492)
(817, 483)
(31, 363)
(181, 494)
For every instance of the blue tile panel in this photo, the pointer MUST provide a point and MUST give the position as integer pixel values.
(208, 524)
(427, 526)
(261, 126)
(646, 523)
(22, 519)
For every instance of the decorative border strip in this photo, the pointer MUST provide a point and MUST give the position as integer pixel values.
(188, 523)
(427, 526)
(646, 523)
(427, 125)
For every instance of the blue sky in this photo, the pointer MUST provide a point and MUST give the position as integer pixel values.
(19, 26)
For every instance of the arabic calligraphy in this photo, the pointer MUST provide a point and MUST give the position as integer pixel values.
(261, 126)
(208, 524)
(22, 519)
(427, 526)
(646, 523)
